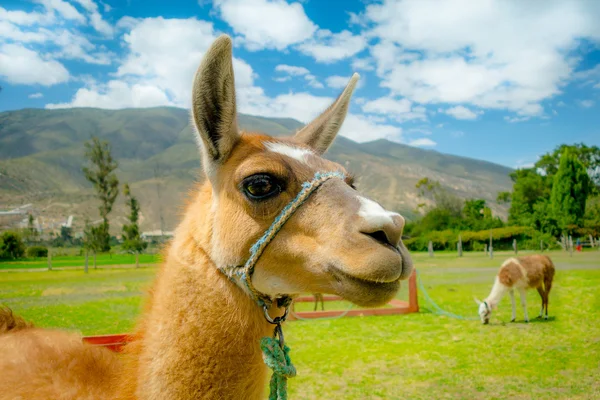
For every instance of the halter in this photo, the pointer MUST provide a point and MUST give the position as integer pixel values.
(275, 352)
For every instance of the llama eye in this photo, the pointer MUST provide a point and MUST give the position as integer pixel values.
(260, 187)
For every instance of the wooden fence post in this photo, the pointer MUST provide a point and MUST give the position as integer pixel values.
(430, 249)
(491, 246)
(571, 245)
(591, 242)
(49, 258)
(459, 246)
(542, 246)
(515, 246)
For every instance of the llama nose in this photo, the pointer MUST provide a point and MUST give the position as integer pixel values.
(387, 231)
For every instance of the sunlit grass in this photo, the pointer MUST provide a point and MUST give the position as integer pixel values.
(416, 356)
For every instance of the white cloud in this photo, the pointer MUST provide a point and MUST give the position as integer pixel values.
(292, 70)
(282, 78)
(364, 64)
(328, 47)
(266, 24)
(457, 134)
(597, 85)
(117, 94)
(162, 57)
(422, 142)
(66, 10)
(361, 128)
(587, 103)
(20, 65)
(460, 112)
(95, 18)
(24, 18)
(313, 82)
(516, 119)
(490, 54)
(401, 110)
(36, 96)
(340, 82)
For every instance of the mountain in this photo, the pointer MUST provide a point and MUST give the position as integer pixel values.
(41, 156)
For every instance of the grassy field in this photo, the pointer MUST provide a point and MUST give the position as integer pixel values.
(417, 356)
(76, 261)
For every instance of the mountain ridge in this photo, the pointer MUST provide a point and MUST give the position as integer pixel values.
(41, 155)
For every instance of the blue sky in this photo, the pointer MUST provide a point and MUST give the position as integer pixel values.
(499, 80)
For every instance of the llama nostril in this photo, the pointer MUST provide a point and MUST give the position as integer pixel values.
(380, 236)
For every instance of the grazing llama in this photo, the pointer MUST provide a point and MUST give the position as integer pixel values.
(319, 298)
(519, 273)
(200, 334)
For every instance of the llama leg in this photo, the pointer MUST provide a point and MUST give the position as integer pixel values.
(548, 285)
(514, 305)
(524, 303)
(542, 293)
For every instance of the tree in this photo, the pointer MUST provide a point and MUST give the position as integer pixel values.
(106, 184)
(66, 234)
(30, 233)
(528, 188)
(588, 156)
(132, 240)
(570, 190)
(11, 245)
(92, 239)
(503, 197)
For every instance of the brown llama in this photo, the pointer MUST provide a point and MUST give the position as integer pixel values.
(199, 335)
(319, 298)
(522, 273)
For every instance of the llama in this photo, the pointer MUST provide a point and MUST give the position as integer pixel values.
(522, 273)
(319, 298)
(199, 335)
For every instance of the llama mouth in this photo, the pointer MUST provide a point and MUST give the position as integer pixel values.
(407, 263)
(342, 276)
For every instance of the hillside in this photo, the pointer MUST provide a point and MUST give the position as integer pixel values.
(41, 155)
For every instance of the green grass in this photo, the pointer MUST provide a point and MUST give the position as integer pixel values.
(417, 356)
(79, 261)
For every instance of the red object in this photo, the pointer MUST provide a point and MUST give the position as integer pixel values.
(578, 247)
(117, 341)
(111, 342)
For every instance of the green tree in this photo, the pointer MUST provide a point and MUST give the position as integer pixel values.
(528, 188)
(93, 237)
(503, 197)
(589, 156)
(570, 190)
(11, 245)
(132, 240)
(106, 184)
(30, 233)
(66, 234)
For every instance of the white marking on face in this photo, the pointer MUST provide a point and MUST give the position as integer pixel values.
(290, 151)
(374, 213)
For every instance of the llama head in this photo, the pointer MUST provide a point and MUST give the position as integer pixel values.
(485, 311)
(337, 242)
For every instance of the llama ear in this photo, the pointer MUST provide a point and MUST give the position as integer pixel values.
(477, 300)
(213, 103)
(319, 134)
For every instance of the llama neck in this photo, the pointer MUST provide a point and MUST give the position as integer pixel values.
(200, 337)
(498, 291)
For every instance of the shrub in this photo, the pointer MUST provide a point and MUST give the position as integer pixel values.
(37, 251)
(11, 245)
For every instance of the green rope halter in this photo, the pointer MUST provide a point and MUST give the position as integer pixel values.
(275, 352)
